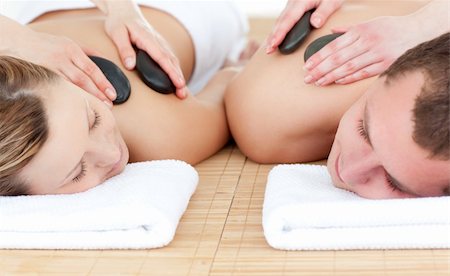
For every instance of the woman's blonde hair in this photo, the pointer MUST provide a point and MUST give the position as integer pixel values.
(23, 120)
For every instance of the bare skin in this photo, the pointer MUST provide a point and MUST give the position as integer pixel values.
(154, 126)
(275, 117)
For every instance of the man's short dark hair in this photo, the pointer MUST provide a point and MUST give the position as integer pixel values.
(431, 108)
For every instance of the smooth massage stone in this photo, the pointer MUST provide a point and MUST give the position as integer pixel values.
(152, 74)
(318, 44)
(297, 34)
(116, 77)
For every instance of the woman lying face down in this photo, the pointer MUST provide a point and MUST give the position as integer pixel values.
(70, 136)
(56, 138)
(394, 141)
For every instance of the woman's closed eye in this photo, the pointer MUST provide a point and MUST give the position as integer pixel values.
(83, 170)
(362, 131)
(97, 120)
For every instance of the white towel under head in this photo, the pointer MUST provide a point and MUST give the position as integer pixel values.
(304, 211)
(139, 208)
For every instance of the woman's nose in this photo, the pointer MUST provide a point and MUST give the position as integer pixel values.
(358, 169)
(104, 153)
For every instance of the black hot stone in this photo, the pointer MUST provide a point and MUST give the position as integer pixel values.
(297, 34)
(116, 77)
(152, 74)
(318, 44)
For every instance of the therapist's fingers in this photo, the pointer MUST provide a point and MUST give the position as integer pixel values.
(366, 72)
(159, 50)
(121, 39)
(293, 11)
(331, 48)
(347, 57)
(78, 68)
(79, 78)
(358, 63)
(90, 69)
(340, 29)
(182, 93)
(323, 12)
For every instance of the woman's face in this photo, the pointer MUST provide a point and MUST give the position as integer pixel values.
(373, 153)
(84, 146)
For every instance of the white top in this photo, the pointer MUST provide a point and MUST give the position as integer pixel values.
(218, 28)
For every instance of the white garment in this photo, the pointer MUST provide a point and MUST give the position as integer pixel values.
(218, 28)
(139, 208)
(304, 211)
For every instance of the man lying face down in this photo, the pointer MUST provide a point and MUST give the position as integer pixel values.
(394, 141)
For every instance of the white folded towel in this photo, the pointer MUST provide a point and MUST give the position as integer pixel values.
(139, 208)
(304, 211)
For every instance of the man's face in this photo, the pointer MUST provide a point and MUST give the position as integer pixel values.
(373, 153)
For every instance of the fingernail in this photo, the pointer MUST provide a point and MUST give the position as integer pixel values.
(129, 63)
(308, 65)
(108, 104)
(320, 81)
(308, 79)
(111, 93)
(316, 22)
(185, 93)
(270, 46)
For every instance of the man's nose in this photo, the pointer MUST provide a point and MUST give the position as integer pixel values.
(358, 169)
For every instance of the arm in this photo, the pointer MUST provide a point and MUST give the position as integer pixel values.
(369, 48)
(432, 20)
(126, 26)
(60, 54)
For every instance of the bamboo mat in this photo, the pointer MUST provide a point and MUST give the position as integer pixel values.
(221, 234)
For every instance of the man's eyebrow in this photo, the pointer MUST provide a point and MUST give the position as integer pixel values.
(79, 162)
(395, 182)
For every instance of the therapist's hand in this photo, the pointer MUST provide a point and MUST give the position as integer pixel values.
(365, 50)
(292, 13)
(65, 57)
(126, 26)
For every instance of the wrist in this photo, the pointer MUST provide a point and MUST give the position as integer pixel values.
(431, 20)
